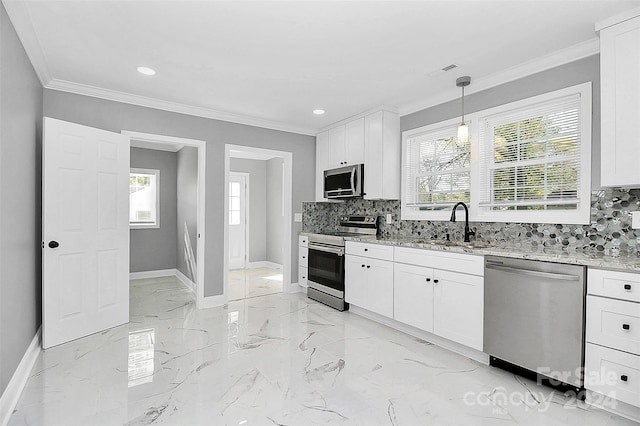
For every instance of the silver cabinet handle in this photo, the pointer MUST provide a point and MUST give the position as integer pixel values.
(533, 273)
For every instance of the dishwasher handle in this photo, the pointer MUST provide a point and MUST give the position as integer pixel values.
(531, 273)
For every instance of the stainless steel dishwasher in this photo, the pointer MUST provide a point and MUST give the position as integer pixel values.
(534, 316)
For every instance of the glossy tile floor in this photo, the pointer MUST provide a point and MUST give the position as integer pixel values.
(245, 283)
(273, 360)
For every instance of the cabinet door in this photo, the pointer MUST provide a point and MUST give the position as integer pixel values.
(413, 296)
(322, 163)
(379, 287)
(373, 173)
(355, 280)
(337, 157)
(354, 142)
(458, 307)
(620, 88)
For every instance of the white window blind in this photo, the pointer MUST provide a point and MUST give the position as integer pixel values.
(530, 158)
(437, 170)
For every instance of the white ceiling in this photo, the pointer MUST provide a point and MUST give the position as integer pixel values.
(271, 63)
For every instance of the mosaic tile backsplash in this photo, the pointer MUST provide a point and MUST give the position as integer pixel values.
(609, 232)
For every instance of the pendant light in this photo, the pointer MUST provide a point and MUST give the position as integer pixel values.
(463, 129)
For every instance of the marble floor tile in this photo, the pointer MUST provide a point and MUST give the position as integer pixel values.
(254, 282)
(279, 359)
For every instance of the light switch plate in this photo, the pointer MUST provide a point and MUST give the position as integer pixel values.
(635, 220)
(297, 217)
(389, 218)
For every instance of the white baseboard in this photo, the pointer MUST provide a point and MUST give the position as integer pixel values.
(611, 405)
(186, 281)
(213, 301)
(152, 274)
(263, 264)
(293, 288)
(12, 393)
(424, 335)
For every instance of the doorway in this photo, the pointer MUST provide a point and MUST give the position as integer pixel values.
(266, 266)
(190, 229)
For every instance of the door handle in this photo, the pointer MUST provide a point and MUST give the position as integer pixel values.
(54, 244)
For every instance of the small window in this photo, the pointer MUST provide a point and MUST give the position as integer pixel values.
(144, 198)
(437, 172)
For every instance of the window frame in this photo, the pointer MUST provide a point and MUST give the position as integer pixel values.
(579, 216)
(409, 213)
(156, 224)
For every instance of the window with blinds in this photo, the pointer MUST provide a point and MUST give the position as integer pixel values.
(437, 170)
(527, 161)
(531, 158)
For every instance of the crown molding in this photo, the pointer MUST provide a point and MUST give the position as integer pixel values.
(543, 63)
(21, 21)
(383, 107)
(621, 17)
(128, 98)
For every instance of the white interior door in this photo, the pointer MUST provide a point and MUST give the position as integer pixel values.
(85, 230)
(237, 220)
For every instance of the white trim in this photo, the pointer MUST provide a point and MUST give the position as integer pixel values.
(16, 385)
(152, 274)
(200, 204)
(616, 19)
(128, 98)
(543, 63)
(424, 335)
(611, 405)
(294, 288)
(263, 264)
(21, 20)
(287, 218)
(213, 301)
(358, 116)
(185, 280)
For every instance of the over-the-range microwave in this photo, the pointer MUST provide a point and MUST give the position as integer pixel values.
(344, 182)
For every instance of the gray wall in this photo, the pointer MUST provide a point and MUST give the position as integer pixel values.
(187, 181)
(581, 71)
(257, 170)
(116, 116)
(20, 208)
(155, 248)
(274, 211)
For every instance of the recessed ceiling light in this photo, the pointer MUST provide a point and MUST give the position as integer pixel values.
(146, 71)
(318, 111)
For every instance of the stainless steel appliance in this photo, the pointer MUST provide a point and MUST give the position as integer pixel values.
(344, 182)
(534, 316)
(326, 259)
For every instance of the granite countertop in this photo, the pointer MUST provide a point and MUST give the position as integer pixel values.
(601, 260)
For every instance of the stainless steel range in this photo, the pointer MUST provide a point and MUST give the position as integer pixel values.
(326, 259)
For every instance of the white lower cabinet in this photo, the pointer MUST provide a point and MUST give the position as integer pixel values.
(413, 296)
(369, 284)
(458, 313)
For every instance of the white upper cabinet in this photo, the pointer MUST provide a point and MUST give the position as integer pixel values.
(322, 161)
(620, 112)
(371, 139)
(337, 157)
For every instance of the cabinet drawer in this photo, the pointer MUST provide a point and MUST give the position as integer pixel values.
(619, 285)
(614, 323)
(303, 241)
(374, 251)
(613, 373)
(456, 262)
(303, 277)
(303, 257)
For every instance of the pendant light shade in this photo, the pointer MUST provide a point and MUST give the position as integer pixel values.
(463, 128)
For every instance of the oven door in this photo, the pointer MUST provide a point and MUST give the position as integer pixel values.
(326, 269)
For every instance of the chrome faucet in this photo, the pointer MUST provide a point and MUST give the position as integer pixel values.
(467, 232)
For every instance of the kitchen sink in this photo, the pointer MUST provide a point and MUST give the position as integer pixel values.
(447, 243)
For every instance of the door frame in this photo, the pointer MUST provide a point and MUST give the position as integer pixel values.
(287, 195)
(200, 203)
(247, 221)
